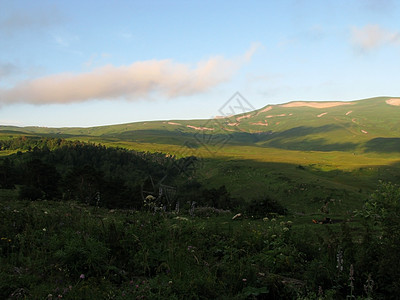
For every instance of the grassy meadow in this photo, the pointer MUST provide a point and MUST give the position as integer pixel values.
(317, 190)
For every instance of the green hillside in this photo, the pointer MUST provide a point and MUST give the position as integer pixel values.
(365, 127)
(369, 125)
(298, 150)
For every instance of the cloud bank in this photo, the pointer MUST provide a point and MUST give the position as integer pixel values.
(371, 37)
(140, 80)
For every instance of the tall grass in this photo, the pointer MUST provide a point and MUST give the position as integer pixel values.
(51, 250)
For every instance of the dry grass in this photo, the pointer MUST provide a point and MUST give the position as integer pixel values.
(315, 104)
(395, 102)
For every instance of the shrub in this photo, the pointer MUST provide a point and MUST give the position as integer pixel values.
(28, 192)
(264, 207)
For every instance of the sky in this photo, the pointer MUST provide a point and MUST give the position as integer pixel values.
(90, 63)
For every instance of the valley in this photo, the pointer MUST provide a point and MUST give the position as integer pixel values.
(260, 205)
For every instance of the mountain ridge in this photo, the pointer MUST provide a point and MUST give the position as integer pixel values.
(361, 125)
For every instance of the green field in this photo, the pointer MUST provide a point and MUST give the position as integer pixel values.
(317, 189)
(347, 147)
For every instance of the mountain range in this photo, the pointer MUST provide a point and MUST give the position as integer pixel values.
(369, 125)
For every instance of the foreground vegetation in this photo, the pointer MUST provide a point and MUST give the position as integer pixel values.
(83, 221)
(68, 250)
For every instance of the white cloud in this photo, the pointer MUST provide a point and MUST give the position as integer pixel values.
(371, 37)
(140, 80)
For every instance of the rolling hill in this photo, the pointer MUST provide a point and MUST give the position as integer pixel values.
(364, 126)
(298, 150)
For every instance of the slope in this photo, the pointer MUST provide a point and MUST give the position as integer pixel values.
(276, 150)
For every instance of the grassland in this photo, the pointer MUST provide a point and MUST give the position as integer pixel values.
(317, 161)
(52, 250)
(347, 146)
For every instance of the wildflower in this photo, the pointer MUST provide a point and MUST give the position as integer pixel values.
(273, 236)
(244, 279)
(339, 259)
(265, 219)
(320, 291)
(170, 282)
(44, 229)
(273, 220)
(285, 229)
(82, 276)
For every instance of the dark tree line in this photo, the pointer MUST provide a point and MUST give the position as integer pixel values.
(57, 169)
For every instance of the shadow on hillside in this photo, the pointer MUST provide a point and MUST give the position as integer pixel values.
(155, 136)
(11, 132)
(283, 140)
(16, 133)
(195, 139)
(300, 188)
(305, 130)
(311, 145)
(385, 145)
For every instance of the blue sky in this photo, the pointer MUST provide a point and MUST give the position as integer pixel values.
(87, 63)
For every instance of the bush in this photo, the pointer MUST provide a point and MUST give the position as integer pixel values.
(264, 207)
(32, 193)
